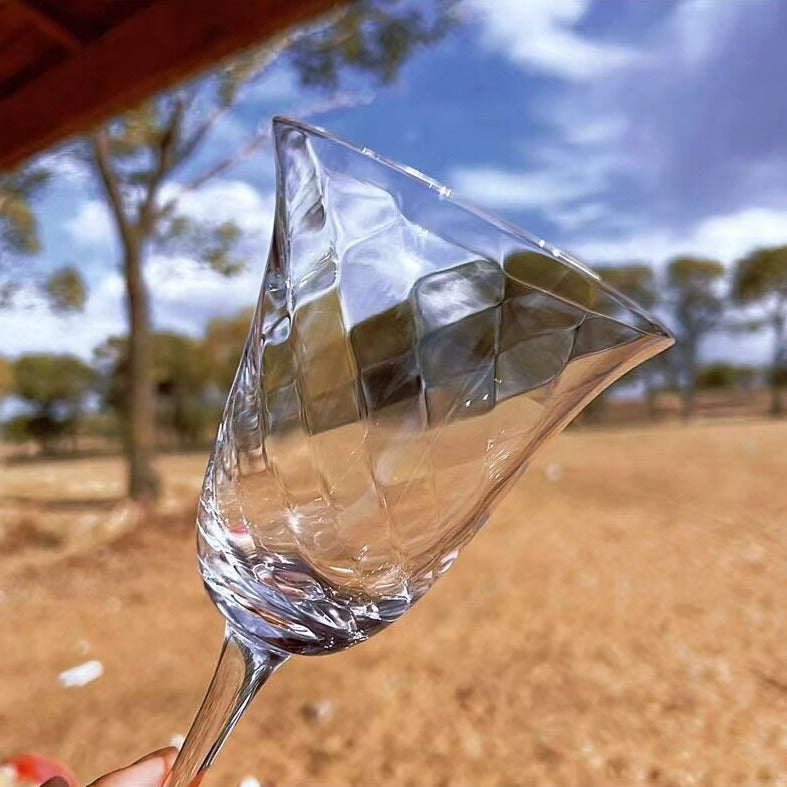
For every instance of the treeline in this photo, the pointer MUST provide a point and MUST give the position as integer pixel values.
(63, 403)
(62, 399)
(702, 301)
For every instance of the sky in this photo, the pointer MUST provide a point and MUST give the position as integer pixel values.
(617, 130)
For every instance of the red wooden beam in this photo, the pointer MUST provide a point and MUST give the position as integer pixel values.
(50, 27)
(159, 46)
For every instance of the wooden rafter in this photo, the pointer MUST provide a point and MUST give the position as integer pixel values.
(164, 43)
(50, 27)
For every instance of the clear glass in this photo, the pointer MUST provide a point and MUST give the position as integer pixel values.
(408, 356)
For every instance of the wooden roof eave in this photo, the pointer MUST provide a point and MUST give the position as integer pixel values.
(157, 47)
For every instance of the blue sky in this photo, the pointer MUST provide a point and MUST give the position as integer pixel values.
(616, 129)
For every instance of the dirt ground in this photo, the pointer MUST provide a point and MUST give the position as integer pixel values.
(620, 621)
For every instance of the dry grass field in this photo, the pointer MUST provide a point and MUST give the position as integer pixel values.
(622, 620)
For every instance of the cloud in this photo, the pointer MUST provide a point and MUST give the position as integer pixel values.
(91, 225)
(32, 327)
(184, 294)
(541, 35)
(673, 149)
(217, 201)
(278, 84)
(226, 200)
(566, 185)
(187, 295)
(565, 188)
(537, 191)
(725, 237)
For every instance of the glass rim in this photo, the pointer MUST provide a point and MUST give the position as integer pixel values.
(444, 192)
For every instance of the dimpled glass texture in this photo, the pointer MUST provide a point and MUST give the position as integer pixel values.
(407, 357)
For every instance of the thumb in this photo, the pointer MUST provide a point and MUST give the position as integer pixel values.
(147, 772)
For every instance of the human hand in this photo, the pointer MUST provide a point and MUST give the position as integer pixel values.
(147, 772)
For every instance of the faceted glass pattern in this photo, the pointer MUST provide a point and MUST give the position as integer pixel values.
(407, 357)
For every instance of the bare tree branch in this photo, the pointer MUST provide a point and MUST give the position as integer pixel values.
(263, 59)
(111, 184)
(253, 144)
(166, 162)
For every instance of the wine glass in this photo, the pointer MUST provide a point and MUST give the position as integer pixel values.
(407, 357)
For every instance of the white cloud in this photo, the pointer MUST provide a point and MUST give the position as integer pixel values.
(540, 34)
(725, 237)
(91, 225)
(184, 294)
(498, 189)
(217, 201)
(63, 165)
(698, 28)
(566, 187)
(278, 84)
(187, 295)
(625, 162)
(184, 297)
(34, 328)
(227, 200)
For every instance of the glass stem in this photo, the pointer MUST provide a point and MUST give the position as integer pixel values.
(240, 673)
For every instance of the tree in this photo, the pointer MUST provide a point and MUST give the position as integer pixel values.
(369, 36)
(137, 155)
(224, 340)
(7, 382)
(697, 307)
(18, 225)
(19, 236)
(761, 278)
(180, 370)
(55, 386)
(181, 378)
(719, 376)
(65, 290)
(637, 281)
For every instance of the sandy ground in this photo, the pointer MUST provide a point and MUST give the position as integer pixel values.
(620, 621)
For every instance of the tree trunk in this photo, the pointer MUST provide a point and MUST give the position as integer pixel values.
(777, 370)
(143, 484)
(142, 480)
(651, 396)
(689, 383)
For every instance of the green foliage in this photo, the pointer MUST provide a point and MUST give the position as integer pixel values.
(66, 290)
(55, 387)
(18, 225)
(46, 381)
(761, 275)
(697, 306)
(372, 36)
(224, 341)
(219, 246)
(635, 280)
(17, 429)
(761, 278)
(717, 376)
(777, 376)
(7, 378)
(693, 288)
(181, 378)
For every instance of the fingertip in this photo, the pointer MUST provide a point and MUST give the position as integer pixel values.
(167, 753)
(149, 771)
